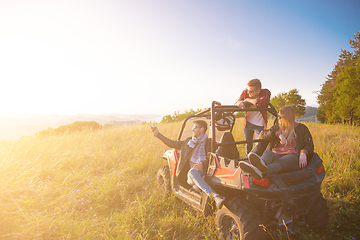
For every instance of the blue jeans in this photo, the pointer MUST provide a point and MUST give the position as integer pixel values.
(195, 178)
(249, 131)
(280, 163)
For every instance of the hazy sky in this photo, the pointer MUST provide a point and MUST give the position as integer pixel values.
(160, 56)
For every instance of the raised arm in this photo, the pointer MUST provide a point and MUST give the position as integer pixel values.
(168, 142)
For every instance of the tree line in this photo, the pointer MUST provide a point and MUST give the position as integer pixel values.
(177, 116)
(339, 97)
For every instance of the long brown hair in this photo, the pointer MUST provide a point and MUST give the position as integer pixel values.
(287, 129)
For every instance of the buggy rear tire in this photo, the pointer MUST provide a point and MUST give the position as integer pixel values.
(163, 180)
(318, 216)
(235, 220)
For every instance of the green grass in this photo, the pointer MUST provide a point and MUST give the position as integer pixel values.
(100, 184)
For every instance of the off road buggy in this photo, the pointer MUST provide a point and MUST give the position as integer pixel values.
(277, 201)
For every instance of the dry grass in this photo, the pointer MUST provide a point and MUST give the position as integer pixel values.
(101, 185)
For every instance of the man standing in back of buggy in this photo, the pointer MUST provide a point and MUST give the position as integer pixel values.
(255, 121)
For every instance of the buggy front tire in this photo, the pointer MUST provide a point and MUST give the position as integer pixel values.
(235, 220)
(318, 216)
(163, 180)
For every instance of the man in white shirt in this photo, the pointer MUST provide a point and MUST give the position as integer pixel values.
(255, 121)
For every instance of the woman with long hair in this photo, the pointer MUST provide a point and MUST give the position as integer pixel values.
(290, 143)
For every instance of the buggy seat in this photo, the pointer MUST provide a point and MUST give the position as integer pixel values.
(228, 150)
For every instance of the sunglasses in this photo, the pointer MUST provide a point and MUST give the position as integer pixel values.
(249, 91)
(196, 126)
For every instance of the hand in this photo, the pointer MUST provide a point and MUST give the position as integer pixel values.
(240, 104)
(250, 100)
(154, 130)
(198, 166)
(302, 160)
(283, 140)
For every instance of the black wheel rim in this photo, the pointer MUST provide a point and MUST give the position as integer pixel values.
(230, 229)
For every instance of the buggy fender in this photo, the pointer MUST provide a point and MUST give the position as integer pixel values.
(172, 156)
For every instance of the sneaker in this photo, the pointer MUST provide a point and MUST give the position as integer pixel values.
(254, 172)
(219, 200)
(256, 161)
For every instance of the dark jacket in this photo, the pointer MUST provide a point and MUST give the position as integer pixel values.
(303, 140)
(186, 151)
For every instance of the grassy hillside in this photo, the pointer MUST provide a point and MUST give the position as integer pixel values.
(101, 185)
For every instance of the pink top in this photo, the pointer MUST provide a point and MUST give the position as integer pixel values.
(286, 149)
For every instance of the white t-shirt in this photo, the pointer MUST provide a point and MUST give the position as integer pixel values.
(256, 118)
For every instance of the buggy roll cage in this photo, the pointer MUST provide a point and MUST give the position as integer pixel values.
(217, 108)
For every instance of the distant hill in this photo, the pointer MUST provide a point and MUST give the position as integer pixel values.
(309, 116)
(13, 126)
